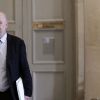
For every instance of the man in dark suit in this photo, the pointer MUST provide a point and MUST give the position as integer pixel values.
(13, 64)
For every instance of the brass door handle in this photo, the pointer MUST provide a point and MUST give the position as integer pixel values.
(95, 99)
(44, 25)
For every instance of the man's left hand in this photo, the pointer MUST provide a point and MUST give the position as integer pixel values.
(27, 98)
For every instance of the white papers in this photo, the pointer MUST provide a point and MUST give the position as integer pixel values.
(20, 89)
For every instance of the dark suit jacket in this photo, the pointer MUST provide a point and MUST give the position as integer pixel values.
(17, 65)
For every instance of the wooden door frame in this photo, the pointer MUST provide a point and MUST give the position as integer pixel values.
(80, 48)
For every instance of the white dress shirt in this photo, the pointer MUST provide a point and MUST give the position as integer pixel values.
(3, 75)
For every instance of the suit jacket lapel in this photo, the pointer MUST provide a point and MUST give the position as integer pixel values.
(8, 64)
(8, 50)
(8, 58)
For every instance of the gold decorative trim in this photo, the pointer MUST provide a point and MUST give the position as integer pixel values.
(45, 25)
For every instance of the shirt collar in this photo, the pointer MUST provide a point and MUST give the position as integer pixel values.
(3, 39)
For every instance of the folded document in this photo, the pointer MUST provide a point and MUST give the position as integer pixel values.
(20, 89)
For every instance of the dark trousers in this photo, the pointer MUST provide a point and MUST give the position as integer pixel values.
(6, 95)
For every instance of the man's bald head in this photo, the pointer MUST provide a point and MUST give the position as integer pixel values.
(3, 16)
(3, 24)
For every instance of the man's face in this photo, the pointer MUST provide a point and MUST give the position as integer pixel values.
(3, 24)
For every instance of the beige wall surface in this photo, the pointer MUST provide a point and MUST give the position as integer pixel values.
(92, 49)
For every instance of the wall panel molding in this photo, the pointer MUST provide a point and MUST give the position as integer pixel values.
(48, 85)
